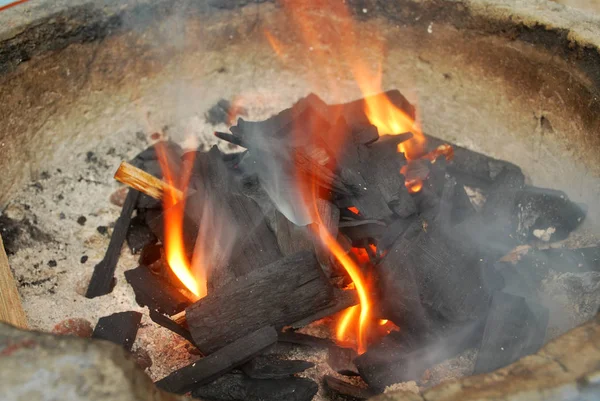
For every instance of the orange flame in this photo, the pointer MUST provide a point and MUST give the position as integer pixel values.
(173, 222)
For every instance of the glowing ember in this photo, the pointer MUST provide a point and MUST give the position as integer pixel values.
(173, 222)
(354, 210)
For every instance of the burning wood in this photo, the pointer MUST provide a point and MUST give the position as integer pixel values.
(146, 183)
(276, 295)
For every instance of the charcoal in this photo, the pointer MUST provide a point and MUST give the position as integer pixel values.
(328, 219)
(401, 356)
(501, 197)
(347, 390)
(512, 330)
(220, 362)
(341, 299)
(365, 135)
(139, 235)
(157, 294)
(291, 337)
(422, 274)
(272, 367)
(359, 230)
(277, 295)
(341, 360)
(387, 146)
(119, 328)
(150, 254)
(236, 387)
(546, 214)
(290, 237)
(166, 322)
(472, 168)
(394, 230)
(354, 112)
(101, 282)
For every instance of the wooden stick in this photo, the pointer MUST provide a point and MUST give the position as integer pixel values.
(11, 309)
(179, 318)
(146, 183)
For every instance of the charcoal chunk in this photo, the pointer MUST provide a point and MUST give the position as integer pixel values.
(513, 329)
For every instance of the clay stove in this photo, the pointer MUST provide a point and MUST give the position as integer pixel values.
(519, 89)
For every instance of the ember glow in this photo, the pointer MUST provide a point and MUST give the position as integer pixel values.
(173, 222)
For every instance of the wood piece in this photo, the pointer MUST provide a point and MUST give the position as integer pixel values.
(154, 292)
(236, 387)
(292, 337)
(102, 279)
(220, 362)
(119, 328)
(171, 325)
(272, 367)
(342, 299)
(11, 309)
(277, 295)
(148, 184)
(512, 330)
(347, 390)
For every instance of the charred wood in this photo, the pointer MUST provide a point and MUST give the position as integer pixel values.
(101, 282)
(347, 390)
(342, 299)
(512, 330)
(119, 328)
(155, 293)
(166, 322)
(291, 337)
(139, 234)
(277, 295)
(236, 387)
(272, 367)
(341, 360)
(220, 362)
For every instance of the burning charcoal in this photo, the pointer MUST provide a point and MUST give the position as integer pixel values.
(235, 387)
(101, 282)
(223, 112)
(401, 357)
(347, 390)
(328, 219)
(546, 214)
(512, 330)
(272, 367)
(422, 275)
(157, 294)
(472, 168)
(279, 294)
(359, 230)
(119, 328)
(139, 235)
(365, 135)
(291, 337)
(342, 299)
(341, 360)
(222, 361)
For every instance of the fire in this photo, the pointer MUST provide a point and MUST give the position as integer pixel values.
(173, 222)
(357, 278)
